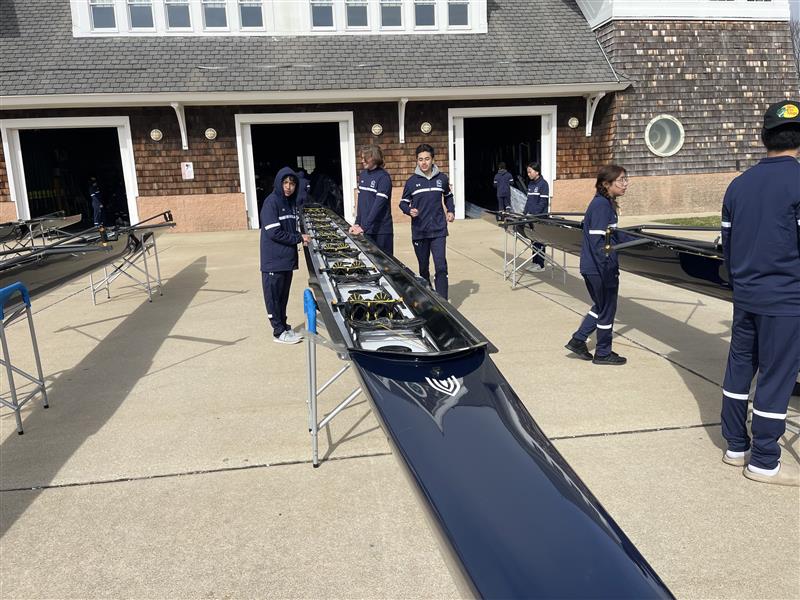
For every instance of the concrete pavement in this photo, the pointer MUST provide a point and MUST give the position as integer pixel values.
(175, 459)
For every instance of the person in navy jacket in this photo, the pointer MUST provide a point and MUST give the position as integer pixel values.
(427, 199)
(303, 188)
(600, 270)
(374, 211)
(761, 245)
(503, 180)
(538, 203)
(98, 206)
(279, 240)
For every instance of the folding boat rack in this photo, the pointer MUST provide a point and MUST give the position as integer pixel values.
(514, 270)
(137, 262)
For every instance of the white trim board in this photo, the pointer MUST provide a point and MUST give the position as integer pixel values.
(244, 149)
(308, 96)
(455, 138)
(9, 129)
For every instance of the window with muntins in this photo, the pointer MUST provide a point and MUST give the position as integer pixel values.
(140, 13)
(458, 13)
(102, 12)
(425, 13)
(214, 14)
(250, 14)
(178, 15)
(356, 11)
(322, 13)
(391, 13)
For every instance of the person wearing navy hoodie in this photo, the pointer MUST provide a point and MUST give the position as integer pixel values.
(761, 245)
(426, 197)
(374, 211)
(600, 269)
(279, 240)
(538, 203)
(503, 180)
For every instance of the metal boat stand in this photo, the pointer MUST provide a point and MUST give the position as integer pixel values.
(313, 339)
(16, 313)
(514, 269)
(131, 263)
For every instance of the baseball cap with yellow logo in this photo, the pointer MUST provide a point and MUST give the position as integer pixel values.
(782, 113)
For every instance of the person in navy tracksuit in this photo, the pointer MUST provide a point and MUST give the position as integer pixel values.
(538, 203)
(374, 211)
(279, 240)
(427, 199)
(503, 180)
(600, 270)
(98, 206)
(761, 245)
(303, 188)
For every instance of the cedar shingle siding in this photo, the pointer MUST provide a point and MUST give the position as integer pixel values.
(716, 77)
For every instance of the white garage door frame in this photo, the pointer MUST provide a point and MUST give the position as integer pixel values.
(244, 147)
(12, 149)
(455, 121)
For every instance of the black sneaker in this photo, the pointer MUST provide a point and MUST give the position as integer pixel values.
(579, 348)
(612, 358)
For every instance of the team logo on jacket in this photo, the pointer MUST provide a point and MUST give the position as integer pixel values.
(438, 183)
(372, 183)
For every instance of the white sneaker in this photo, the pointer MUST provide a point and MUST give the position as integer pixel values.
(288, 337)
(535, 268)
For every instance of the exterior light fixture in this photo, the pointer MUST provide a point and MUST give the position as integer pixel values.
(426, 128)
(573, 122)
(211, 133)
(156, 135)
(377, 129)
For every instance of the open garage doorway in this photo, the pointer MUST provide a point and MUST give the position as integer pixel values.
(515, 141)
(313, 147)
(482, 137)
(323, 143)
(59, 166)
(49, 161)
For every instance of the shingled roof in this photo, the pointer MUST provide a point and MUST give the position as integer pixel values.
(528, 43)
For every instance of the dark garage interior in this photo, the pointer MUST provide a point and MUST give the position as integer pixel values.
(59, 164)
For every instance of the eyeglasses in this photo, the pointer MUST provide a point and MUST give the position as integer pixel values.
(622, 180)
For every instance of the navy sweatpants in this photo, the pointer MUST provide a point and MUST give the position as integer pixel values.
(384, 241)
(601, 315)
(438, 247)
(276, 286)
(770, 346)
(503, 203)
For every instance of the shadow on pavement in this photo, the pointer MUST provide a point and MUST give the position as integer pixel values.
(110, 371)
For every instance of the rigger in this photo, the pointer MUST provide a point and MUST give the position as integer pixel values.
(422, 201)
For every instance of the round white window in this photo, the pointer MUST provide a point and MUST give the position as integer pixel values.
(664, 135)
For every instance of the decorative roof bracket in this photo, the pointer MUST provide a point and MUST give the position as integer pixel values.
(401, 118)
(592, 100)
(181, 123)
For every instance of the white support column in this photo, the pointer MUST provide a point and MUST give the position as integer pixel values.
(181, 123)
(592, 100)
(401, 118)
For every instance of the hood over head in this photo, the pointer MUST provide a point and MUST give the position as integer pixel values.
(282, 174)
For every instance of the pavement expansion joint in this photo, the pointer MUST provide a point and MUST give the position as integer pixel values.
(285, 463)
(617, 334)
(633, 431)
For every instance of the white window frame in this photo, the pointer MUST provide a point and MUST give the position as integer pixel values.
(681, 135)
(436, 17)
(397, 3)
(188, 5)
(244, 27)
(150, 3)
(330, 3)
(466, 3)
(107, 3)
(365, 4)
(206, 3)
